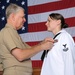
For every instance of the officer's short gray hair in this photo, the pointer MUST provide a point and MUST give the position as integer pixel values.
(12, 8)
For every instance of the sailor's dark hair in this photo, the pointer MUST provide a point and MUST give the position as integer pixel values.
(58, 16)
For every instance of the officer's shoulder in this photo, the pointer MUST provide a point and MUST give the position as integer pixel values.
(6, 30)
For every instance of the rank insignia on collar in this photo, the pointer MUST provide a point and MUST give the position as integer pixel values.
(65, 47)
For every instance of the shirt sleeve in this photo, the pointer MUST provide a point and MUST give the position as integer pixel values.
(10, 40)
(67, 43)
(67, 47)
(28, 46)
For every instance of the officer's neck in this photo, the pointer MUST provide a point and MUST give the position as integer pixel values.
(10, 22)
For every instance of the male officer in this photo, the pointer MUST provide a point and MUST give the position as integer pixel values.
(14, 53)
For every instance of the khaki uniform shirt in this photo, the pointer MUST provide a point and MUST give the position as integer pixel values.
(9, 39)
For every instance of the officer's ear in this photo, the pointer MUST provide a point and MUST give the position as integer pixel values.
(12, 16)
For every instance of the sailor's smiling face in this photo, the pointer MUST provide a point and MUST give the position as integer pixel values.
(51, 24)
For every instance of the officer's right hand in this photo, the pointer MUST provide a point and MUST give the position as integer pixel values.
(50, 39)
(46, 45)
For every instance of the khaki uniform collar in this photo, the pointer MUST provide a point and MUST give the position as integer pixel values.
(11, 26)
